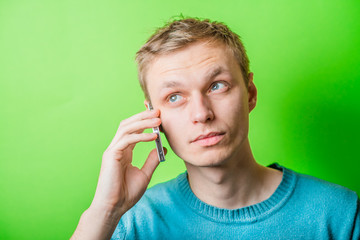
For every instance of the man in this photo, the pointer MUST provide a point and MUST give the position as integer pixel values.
(196, 75)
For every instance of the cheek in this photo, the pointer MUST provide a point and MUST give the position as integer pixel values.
(232, 106)
(172, 126)
(235, 115)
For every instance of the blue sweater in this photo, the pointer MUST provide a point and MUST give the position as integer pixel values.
(302, 207)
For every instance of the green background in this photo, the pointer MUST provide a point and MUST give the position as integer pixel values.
(68, 77)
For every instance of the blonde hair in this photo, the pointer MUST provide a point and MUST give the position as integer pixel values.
(180, 33)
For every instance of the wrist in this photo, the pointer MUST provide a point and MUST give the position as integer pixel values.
(104, 214)
(97, 223)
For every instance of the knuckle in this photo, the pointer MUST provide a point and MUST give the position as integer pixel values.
(105, 154)
(113, 153)
(120, 133)
(122, 122)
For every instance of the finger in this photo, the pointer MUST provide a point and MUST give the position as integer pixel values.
(135, 127)
(151, 163)
(139, 126)
(140, 116)
(133, 139)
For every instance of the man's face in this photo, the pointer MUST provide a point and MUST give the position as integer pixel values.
(204, 102)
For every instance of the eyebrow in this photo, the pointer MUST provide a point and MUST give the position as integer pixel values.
(215, 72)
(210, 75)
(171, 84)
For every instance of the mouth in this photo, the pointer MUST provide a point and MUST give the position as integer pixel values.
(209, 139)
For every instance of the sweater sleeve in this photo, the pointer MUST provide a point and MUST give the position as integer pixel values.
(356, 231)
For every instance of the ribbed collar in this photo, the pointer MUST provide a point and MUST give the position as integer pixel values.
(248, 214)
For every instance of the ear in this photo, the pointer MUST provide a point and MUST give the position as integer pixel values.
(146, 102)
(252, 92)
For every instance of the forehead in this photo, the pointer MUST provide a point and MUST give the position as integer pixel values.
(193, 56)
(198, 60)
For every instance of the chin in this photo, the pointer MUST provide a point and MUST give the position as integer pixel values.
(207, 159)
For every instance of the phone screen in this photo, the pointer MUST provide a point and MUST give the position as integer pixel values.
(159, 147)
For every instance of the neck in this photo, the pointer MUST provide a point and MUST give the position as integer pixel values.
(236, 183)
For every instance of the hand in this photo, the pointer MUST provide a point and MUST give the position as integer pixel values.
(120, 184)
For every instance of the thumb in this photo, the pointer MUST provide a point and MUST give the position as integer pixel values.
(151, 163)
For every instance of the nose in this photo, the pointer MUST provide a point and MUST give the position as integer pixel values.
(200, 109)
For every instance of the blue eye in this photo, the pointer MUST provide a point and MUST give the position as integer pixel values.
(217, 86)
(174, 98)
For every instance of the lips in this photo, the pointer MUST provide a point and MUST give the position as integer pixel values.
(209, 139)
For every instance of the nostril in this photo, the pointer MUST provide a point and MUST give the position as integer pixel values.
(200, 108)
(203, 116)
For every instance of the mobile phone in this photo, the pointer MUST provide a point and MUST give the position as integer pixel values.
(159, 147)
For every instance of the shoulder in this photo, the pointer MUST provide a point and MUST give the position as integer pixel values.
(332, 209)
(320, 195)
(159, 203)
(324, 189)
(158, 198)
